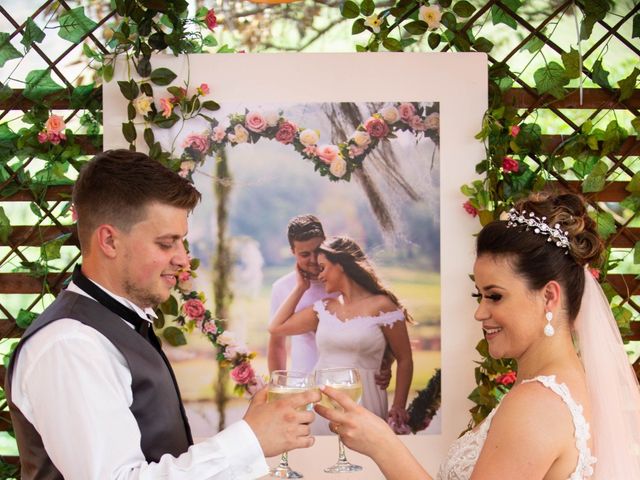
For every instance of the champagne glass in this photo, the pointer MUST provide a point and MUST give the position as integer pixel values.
(347, 380)
(281, 384)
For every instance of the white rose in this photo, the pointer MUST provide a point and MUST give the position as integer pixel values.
(309, 137)
(142, 104)
(431, 16)
(227, 338)
(390, 115)
(338, 167)
(361, 138)
(272, 118)
(241, 134)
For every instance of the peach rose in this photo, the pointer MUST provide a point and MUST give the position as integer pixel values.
(166, 106)
(240, 134)
(431, 15)
(272, 117)
(390, 114)
(328, 153)
(309, 137)
(218, 134)
(338, 167)
(432, 122)
(54, 124)
(361, 138)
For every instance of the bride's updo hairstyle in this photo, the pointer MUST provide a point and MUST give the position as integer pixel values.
(540, 257)
(348, 254)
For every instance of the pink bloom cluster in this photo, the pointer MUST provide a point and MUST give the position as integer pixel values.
(243, 373)
(470, 209)
(510, 164)
(53, 130)
(507, 379)
(194, 309)
(167, 104)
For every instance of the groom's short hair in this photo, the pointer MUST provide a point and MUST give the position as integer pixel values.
(304, 227)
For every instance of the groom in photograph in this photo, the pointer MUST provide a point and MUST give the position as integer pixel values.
(305, 234)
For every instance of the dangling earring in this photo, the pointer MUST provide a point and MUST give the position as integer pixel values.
(548, 328)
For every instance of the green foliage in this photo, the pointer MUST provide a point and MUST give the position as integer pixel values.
(31, 34)
(75, 25)
(7, 51)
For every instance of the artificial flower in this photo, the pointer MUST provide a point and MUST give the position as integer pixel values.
(376, 127)
(431, 15)
(515, 130)
(287, 132)
(194, 309)
(197, 141)
(309, 137)
(390, 114)
(374, 22)
(328, 153)
(142, 103)
(338, 167)
(255, 122)
(510, 164)
(507, 379)
(166, 106)
(240, 134)
(243, 374)
(211, 20)
(407, 111)
(470, 209)
(361, 138)
(203, 89)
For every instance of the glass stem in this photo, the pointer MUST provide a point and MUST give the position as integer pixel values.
(284, 460)
(342, 458)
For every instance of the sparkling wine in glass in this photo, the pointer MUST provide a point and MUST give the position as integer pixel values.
(347, 380)
(281, 384)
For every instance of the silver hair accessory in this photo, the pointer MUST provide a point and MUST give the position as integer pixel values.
(539, 226)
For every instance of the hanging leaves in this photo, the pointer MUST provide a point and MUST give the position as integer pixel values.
(75, 25)
(7, 51)
(40, 84)
(31, 34)
(551, 79)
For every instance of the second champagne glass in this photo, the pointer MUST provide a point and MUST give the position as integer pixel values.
(281, 384)
(347, 380)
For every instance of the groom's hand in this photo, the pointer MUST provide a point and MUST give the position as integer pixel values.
(282, 425)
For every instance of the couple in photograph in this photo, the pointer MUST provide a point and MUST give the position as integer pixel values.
(339, 314)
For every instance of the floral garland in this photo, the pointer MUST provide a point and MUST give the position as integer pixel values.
(337, 161)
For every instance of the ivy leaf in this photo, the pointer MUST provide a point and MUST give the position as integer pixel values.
(635, 30)
(31, 34)
(367, 7)
(174, 336)
(636, 253)
(596, 179)
(5, 92)
(605, 222)
(483, 45)
(593, 10)
(162, 76)
(358, 26)
(463, 9)
(600, 75)
(498, 15)
(613, 138)
(211, 105)
(628, 85)
(170, 307)
(582, 168)
(349, 9)
(571, 62)
(25, 318)
(129, 132)
(417, 27)
(634, 185)
(80, 95)
(75, 25)
(51, 250)
(392, 44)
(7, 51)
(434, 40)
(533, 45)
(551, 79)
(5, 226)
(40, 84)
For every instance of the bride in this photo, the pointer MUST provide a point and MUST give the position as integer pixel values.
(572, 414)
(354, 329)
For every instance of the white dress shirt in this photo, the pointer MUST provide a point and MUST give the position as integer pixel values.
(74, 386)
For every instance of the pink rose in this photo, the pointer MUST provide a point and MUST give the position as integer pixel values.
(310, 150)
(243, 374)
(287, 132)
(328, 153)
(506, 379)
(416, 123)
(193, 308)
(355, 151)
(376, 127)
(510, 165)
(255, 122)
(203, 89)
(56, 138)
(43, 137)
(54, 124)
(515, 130)
(218, 134)
(210, 327)
(595, 272)
(470, 209)
(166, 106)
(407, 110)
(211, 20)
(197, 141)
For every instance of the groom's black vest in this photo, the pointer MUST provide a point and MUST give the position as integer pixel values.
(156, 401)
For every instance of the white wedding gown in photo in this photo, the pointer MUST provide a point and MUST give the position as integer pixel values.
(356, 342)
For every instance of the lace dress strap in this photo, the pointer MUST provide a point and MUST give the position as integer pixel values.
(584, 469)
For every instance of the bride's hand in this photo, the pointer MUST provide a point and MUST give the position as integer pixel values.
(358, 428)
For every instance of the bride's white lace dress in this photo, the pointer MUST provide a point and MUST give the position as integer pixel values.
(464, 452)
